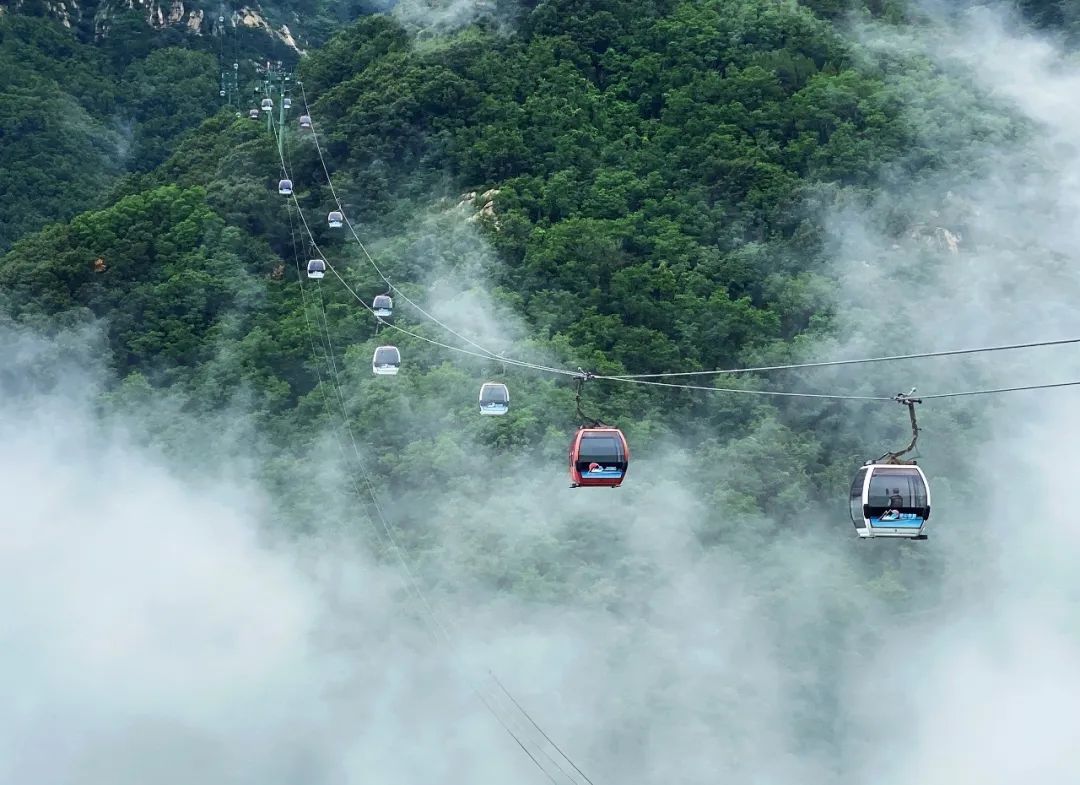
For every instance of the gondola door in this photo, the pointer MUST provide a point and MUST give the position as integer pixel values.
(858, 493)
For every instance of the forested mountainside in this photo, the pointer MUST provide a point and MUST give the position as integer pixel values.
(619, 186)
(76, 116)
(658, 175)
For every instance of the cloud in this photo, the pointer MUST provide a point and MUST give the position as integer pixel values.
(167, 625)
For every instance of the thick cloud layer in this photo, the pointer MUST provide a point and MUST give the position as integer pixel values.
(977, 690)
(157, 627)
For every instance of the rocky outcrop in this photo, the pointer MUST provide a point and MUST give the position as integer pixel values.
(486, 201)
(937, 237)
(67, 12)
(199, 17)
(253, 19)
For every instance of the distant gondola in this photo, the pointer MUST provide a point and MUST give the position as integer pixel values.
(383, 306)
(494, 398)
(599, 457)
(334, 219)
(253, 114)
(316, 268)
(287, 103)
(284, 187)
(267, 104)
(890, 500)
(386, 361)
(305, 121)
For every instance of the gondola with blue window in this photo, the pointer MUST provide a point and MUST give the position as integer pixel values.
(890, 496)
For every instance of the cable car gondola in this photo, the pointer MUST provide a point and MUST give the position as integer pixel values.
(383, 306)
(494, 398)
(284, 187)
(316, 268)
(890, 500)
(253, 114)
(334, 219)
(386, 361)
(890, 497)
(599, 457)
(305, 121)
(267, 104)
(287, 103)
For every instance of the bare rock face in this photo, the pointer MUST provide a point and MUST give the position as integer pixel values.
(486, 213)
(937, 237)
(197, 16)
(253, 18)
(67, 12)
(487, 210)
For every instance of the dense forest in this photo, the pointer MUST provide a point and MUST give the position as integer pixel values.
(620, 186)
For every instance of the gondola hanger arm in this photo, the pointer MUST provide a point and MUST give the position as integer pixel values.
(909, 401)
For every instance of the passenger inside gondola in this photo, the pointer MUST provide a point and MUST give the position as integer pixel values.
(493, 395)
(601, 455)
(897, 496)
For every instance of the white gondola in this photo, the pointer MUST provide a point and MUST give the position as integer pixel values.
(383, 306)
(287, 103)
(334, 219)
(305, 121)
(386, 361)
(316, 269)
(284, 187)
(253, 114)
(221, 93)
(267, 104)
(494, 398)
(890, 500)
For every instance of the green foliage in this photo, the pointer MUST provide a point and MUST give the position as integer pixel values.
(1061, 15)
(57, 151)
(74, 117)
(169, 92)
(661, 170)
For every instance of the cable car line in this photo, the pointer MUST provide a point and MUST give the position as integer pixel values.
(375, 266)
(399, 551)
(640, 378)
(411, 578)
(575, 374)
(363, 248)
(835, 397)
(599, 455)
(488, 356)
(542, 733)
(1002, 390)
(746, 392)
(824, 364)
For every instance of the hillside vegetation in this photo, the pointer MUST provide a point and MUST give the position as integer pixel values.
(663, 170)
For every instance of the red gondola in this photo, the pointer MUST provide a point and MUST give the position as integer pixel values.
(599, 457)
